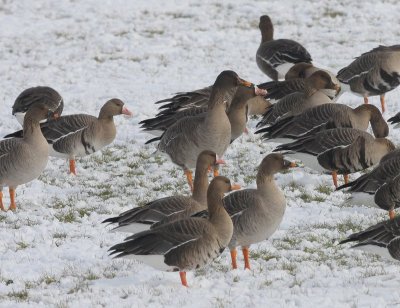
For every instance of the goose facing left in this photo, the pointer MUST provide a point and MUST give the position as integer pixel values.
(79, 135)
(185, 244)
(23, 159)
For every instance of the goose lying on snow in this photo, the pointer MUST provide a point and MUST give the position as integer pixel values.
(79, 135)
(185, 244)
(373, 73)
(23, 159)
(275, 57)
(38, 95)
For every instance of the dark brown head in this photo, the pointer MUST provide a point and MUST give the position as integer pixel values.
(378, 124)
(221, 185)
(321, 80)
(37, 113)
(207, 159)
(266, 28)
(114, 107)
(271, 164)
(299, 70)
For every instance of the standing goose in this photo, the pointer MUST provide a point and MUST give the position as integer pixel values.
(38, 95)
(275, 57)
(314, 94)
(328, 116)
(23, 159)
(187, 138)
(170, 208)
(382, 238)
(387, 197)
(237, 113)
(373, 73)
(359, 155)
(257, 213)
(185, 244)
(79, 135)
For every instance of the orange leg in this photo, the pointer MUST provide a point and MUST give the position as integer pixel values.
(72, 166)
(189, 177)
(383, 102)
(245, 251)
(216, 172)
(183, 278)
(346, 178)
(1, 201)
(365, 100)
(391, 214)
(13, 206)
(334, 178)
(233, 258)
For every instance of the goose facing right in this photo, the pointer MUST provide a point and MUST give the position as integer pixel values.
(23, 159)
(185, 244)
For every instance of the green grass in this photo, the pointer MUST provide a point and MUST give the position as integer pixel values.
(19, 296)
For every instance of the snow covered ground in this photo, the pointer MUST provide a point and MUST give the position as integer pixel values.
(54, 248)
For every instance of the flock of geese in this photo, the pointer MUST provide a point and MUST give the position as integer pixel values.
(194, 129)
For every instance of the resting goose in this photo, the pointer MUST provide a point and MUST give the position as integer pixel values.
(79, 135)
(297, 102)
(188, 137)
(38, 95)
(373, 73)
(185, 244)
(309, 146)
(237, 114)
(170, 208)
(382, 239)
(327, 116)
(275, 57)
(23, 159)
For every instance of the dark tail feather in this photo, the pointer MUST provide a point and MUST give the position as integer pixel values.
(18, 134)
(153, 140)
(111, 220)
(394, 119)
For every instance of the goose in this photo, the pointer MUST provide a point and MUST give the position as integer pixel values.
(275, 57)
(237, 114)
(38, 95)
(327, 116)
(170, 208)
(297, 102)
(188, 137)
(382, 239)
(387, 197)
(359, 155)
(373, 73)
(23, 159)
(79, 135)
(185, 244)
(363, 189)
(308, 147)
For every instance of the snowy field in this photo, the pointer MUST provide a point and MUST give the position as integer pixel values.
(54, 248)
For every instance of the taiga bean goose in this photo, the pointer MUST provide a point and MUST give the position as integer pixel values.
(79, 135)
(373, 73)
(325, 117)
(359, 155)
(275, 57)
(38, 95)
(170, 208)
(309, 146)
(23, 159)
(188, 137)
(382, 239)
(237, 113)
(297, 102)
(185, 244)
(257, 213)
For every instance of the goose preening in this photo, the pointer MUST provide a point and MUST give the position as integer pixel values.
(382, 239)
(275, 57)
(170, 208)
(237, 113)
(185, 244)
(79, 135)
(38, 95)
(327, 116)
(23, 159)
(317, 86)
(373, 73)
(338, 141)
(188, 137)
